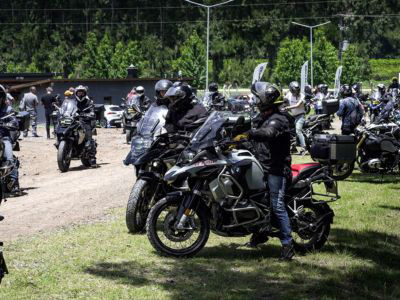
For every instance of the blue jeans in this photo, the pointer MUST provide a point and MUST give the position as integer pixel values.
(299, 121)
(8, 155)
(277, 185)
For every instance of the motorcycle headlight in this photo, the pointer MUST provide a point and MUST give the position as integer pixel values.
(66, 122)
(186, 156)
(139, 145)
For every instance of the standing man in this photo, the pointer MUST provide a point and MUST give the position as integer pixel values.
(48, 100)
(296, 108)
(29, 103)
(350, 111)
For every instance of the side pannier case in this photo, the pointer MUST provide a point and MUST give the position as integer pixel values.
(333, 148)
(330, 106)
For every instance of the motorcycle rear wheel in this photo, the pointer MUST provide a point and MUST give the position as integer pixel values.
(64, 156)
(176, 243)
(138, 208)
(342, 170)
(305, 240)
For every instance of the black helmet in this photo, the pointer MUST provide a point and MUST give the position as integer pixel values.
(3, 95)
(266, 94)
(357, 87)
(178, 95)
(308, 89)
(213, 87)
(162, 87)
(394, 79)
(294, 88)
(80, 93)
(381, 88)
(345, 90)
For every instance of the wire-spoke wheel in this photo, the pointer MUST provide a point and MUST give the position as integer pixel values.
(167, 240)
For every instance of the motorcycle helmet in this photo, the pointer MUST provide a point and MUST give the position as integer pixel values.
(80, 93)
(294, 88)
(162, 87)
(395, 80)
(178, 95)
(140, 90)
(266, 95)
(381, 88)
(3, 96)
(308, 89)
(213, 87)
(345, 90)
(357, 87)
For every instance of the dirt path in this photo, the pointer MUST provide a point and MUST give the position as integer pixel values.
(55, 199)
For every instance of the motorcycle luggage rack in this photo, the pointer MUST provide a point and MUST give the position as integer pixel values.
(331, 191)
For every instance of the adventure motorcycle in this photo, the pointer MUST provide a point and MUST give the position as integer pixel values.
(220, 188)
(378, 149)
(375, 106)
(71, 136)
(152, 153)
(131, 116)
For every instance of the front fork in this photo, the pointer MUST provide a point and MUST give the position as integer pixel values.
(189, 203)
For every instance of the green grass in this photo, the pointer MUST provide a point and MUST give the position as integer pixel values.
(102, 261)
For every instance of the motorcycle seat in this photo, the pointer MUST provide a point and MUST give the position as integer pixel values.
(302, 171)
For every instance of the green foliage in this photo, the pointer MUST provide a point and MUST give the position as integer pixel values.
(291, 56)
(191, 60)
(355, 66)
(104, 56)
(240, 72)
(384, 69)
(87, 66)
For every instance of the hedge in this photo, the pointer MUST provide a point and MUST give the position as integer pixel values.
(384, 69)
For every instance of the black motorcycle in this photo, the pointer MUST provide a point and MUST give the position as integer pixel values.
(131, 116)
(70, 134)
(378, 149)
(220, 188)
(152, 153)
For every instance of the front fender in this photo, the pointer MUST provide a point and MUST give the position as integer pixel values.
(146, 157)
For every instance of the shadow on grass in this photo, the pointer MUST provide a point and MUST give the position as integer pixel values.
(373, 178)
(390, 207)
(224, 271)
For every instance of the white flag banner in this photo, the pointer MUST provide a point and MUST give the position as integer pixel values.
(304, 76)
(258, 72)
(337, 81)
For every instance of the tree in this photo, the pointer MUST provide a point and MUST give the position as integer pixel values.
(104, 55)
(191, 60)
(355, 66)
(87, 66)
(290, 57)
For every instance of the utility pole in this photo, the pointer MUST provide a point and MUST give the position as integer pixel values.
(311, 44)
(208, 29)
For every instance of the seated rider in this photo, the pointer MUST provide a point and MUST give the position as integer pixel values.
(86, 108)
(8, 124)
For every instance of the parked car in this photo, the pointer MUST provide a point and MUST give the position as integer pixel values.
(111, 115)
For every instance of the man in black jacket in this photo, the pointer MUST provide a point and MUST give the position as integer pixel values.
(48, 100)
(183, 110)
(86, 109)
(272, 148)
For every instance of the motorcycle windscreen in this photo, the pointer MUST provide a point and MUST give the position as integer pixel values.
(153, 121)
(134, 102)
(68, 108)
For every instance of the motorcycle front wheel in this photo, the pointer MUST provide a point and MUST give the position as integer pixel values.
(308, 233)
(138, 208)
(167, 240)
(64, 156)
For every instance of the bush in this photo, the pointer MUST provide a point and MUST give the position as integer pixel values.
(355, 67)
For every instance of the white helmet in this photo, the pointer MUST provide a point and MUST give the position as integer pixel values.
(140, 90)
(82, 93)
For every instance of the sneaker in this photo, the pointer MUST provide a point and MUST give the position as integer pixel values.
(287, 252)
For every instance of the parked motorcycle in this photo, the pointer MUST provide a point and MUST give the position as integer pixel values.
(131, 116)
(378, 149)
(71, 136)
(153, 152)
(220, 188)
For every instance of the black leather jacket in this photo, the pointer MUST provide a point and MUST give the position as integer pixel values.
(183, 118)
(272, 142)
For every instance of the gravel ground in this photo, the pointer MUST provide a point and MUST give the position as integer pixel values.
(53, 199)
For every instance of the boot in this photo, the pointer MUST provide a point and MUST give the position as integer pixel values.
(48, 133)
(257, 239)
(287, 252)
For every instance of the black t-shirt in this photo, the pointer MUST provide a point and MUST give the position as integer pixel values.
(47, 101)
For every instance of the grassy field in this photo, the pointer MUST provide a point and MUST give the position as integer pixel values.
(102, 261)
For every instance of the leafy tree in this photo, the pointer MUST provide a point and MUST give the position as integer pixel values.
(355, 66)
(191, 60)
(87, 66)
(104, 55)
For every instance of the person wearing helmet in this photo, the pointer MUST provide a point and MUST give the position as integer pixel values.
(350, 110)
(85, 108)
(29, 103)
(10, 123)
(217, 99)
(183, 110)
(295, 106)
(382, 90)
(271, 137)
(144, 100)
(394, 84)
(389, 104)
(161, 89)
